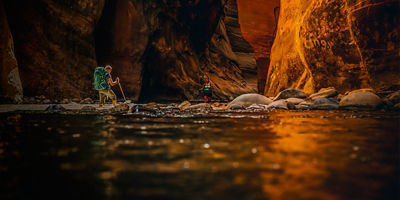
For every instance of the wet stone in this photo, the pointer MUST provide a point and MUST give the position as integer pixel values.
(324, 104)
(294, 101)
(360, 100)
(280, 104)
(246, 100)
(55, 108)
(324, 93)
(290, 93)
(393, 98)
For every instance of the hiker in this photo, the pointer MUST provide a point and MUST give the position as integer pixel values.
(207, 91)
(103, 82)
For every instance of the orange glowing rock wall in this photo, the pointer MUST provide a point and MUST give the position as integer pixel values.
(347, 44)
(258, 21)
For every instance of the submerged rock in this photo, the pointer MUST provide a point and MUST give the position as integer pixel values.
(290, 93)
(324, 104)
(55, 108)
(246, 100)
(324, 93)
(360, 100)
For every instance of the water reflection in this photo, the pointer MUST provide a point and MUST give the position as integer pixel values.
(275, 155)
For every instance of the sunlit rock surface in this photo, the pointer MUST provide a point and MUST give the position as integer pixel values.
(54, 45)
(10, 83)
(345, 44)
(258, 20)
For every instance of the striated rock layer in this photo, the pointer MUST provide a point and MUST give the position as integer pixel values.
(54, 45)
(10, 85)
(346, 44)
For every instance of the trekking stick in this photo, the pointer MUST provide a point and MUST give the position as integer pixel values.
(120, 87)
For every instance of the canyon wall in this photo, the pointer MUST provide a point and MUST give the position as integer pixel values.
(258, 20)
(347, 44)
(10, 84)
(54, 45)
(159, 49)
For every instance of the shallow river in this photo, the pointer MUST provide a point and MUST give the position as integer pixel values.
(275, 155)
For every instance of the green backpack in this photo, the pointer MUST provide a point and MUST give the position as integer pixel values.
(100, 82)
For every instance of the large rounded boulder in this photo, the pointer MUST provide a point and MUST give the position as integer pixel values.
(360, 100)
(246, 100)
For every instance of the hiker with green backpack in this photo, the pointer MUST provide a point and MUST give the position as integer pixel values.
(103, 83)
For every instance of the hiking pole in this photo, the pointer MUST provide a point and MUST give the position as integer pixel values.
(120, 87)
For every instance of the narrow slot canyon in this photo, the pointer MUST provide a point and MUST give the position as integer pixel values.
(200, 99)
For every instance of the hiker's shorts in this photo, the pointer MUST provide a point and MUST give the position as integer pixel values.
(104, 93)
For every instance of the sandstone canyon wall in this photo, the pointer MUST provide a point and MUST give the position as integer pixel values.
(162, 49)
(10, 85)
(347, 44)
(54, 45)
(159, 49)
(258, 20)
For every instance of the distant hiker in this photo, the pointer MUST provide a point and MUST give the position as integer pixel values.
(103, 83)
(207, 91)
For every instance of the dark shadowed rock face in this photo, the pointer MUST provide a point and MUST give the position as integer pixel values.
(10, 83)
(54, 45)
(161, 49)
(346, 44)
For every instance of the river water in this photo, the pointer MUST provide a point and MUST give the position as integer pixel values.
(268, 155)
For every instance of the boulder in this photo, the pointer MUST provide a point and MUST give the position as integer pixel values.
(218, 106)
(246, 100)
(324, 93)
(393, 98)
(324, 104)
(280, 104)
(361, 90)
(257, 107)
(290, 93)
(360, 100)
(294, 101)
(184, 105)
(236, 107)
(201, 106)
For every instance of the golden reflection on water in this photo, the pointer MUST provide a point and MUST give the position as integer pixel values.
(297, 155)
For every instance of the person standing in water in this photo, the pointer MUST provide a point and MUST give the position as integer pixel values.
(105, 89)
(207, 90)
